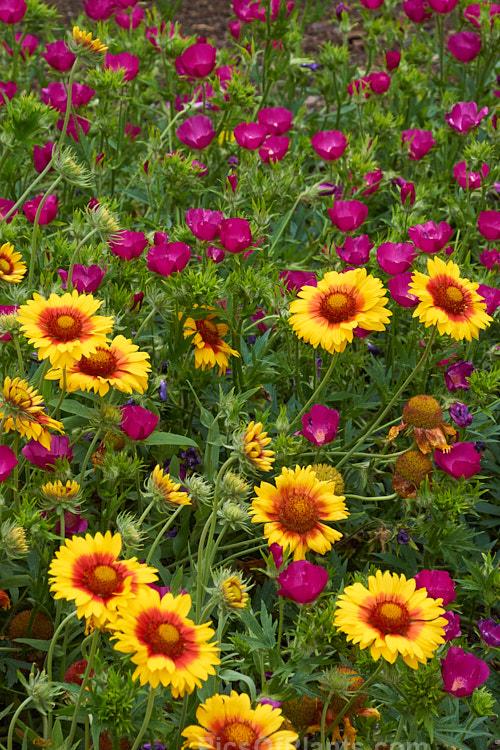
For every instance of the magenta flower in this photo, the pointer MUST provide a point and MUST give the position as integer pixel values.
(392, 59)
(329, 144)
(491, 295)
(430, 237)
(215, 254)
(372, 4)
(276, 120)
(274, 148)
(488, 223)
(8, 462)
(462, 673)
(98, 10)
(132, 21)
(463, 460)
(452, 629)
(456, 376)
(419, 143)
(59, 56)
(378, 82)
(302, 582)
(276, 551)
(348, 215)
(472, 13)
(464, 116)
(138, 423)
(46, 458)
(320, 425)
(8, 90)
(235, 235)
(75, 126)
(438, 583)
(204, 223)
(460, 414)
(152, 33)
(469, 180)
(42, 155)
(250, 135)
(355, 251)
(7, 310)
(417, 11)
(29, 43)
(196, 61)
(12, 11)
(234, 28)
(196, 132)
(247, 11)
(295, 280)
(359, 86)
(48, 212)
(442, 6)
(132, 131)
(56, 95)
(407, 190)
(74, 523)
(166, 258)
(128, 245)
(488, 257)
(396, 257)
(465, 45)
(124, 61)
(372, 180)
(490, 632)
(399, 289)
(7, 205)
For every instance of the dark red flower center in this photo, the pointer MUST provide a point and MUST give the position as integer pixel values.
(63, 325)
(450, 298)
(208, 331)
(102, 580)
(298, 513)
(390, 618)
(338, 306)
(165, 638)
(238, 735)
(101, 362)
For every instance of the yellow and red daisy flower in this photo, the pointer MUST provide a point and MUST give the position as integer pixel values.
(392, 618)
(254, 447)
(84, 39)
(210, 349)
(12, 266)
(119, 364)
(448, 301)
(229, 721)
(22, 410)
(327, 314)
(166, 646)
(165, 490)
(294, 509)
(424, 414)
(87, 570)
(64, 328)
(59, 492)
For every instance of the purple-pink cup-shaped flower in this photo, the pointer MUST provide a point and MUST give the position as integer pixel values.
(128, 245)
(472, 13)
(250, 135)
(196, 61)
(469, 180)
(274, 148)
(276, 551)
(45, 458)
(42, 155)
(488, 223)
(59, 56)
(430, 237)
(276, 120)
(460, 414)
(396, 257)
(378, 82)
(295, 280)
(320, 425)
(464, 116)
(417, 11)
(302, 582)
(12, 11)
(48, 212)
(348, 215)
(462, 461)
(124, 61)
(489, 258)
(456, 375)
(85, 279)
(465, 45)
(490, 632)
(204, 223)
(419, 142)
(442, 6)
(392, 59)
(216, 254)
(329, 144)
(491, 296)
(452, 629)
(29, 43)
(75, 126)
(235, 235)
(8, 462)
(372, 180)
(355, 251)
(6, 205)
(57, 97)
(168, 257)
(196, 132)
(8, 90)
(399, 289)
(462, 673)
(132, 21)
(99, 10)
(372, 4)
(407, 190)
(438, 583)
(138, 423)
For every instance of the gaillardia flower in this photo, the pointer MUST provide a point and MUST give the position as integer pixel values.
(254, 447)
(22, 410)
(449, 302)
(392, 618)
(84, 39)
(294, 509)
(60, 493)
(327, 314)
(230, 721)
(234, 592)
(12, 267)
(64, 328)
(424, 414)
(86, 570)
(167, 647)
(210, 349)
(119, 364)
(164, 490)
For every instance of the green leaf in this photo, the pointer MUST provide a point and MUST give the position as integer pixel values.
(169, 438)
(230, 675)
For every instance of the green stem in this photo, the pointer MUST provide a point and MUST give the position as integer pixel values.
(146, 512)
(317, 392)
(88, 455)
(51, 187)
(14, 719)
(399, 730)
(20, 362)
(285, 223)
(147, 716)
(182, 720)
(69, 283)
(323, 719)
(163, 531)
(88, 668)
